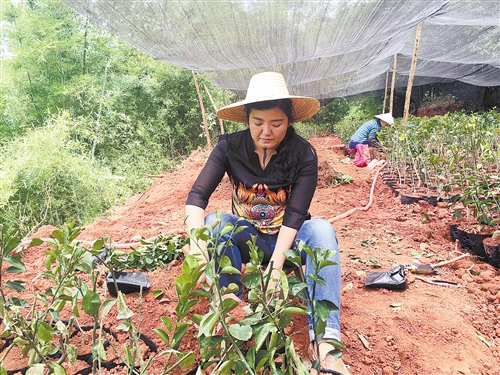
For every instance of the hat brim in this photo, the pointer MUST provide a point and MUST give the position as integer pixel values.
(303, 108)
(386, 117)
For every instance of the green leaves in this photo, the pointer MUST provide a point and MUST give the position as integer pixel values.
(453, 155)
(240, 332)
(123, 311)
(91, 302)
(208, 323)
(17, 285)
(9, 243)
(151, 255)
(269, 312)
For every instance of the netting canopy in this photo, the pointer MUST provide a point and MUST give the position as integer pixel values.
(324, 49)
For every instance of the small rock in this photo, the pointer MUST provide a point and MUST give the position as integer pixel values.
(467, 278)
(490, 287)
(348, 286)
(486, 276)
(367, 360)
(442, 213)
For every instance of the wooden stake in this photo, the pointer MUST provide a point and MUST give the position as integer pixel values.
(412, 73)
(385, 91)
(451, 260)
(393, 83)
(203, 114)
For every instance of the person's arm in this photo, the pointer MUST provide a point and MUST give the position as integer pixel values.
(199, 195)
(195, 217)
(285, 240)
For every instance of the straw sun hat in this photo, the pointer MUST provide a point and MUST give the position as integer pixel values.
(269, 86)
(386, 117)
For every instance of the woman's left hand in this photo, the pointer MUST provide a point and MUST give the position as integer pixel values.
(273, 282)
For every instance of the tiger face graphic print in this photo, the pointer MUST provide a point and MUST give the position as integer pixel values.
(261, 206)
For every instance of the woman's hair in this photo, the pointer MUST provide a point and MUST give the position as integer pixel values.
(287, 160)
(284, 104)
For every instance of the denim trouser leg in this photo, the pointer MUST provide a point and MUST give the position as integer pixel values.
(315, 233)
(320, 233)
(352, 144)
(239, 251)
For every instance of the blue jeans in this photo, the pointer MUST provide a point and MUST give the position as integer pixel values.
(315, 233)
(352, 144)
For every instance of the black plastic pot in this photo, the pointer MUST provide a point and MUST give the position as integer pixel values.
(431, 199)
(390, 182)
(472, 242)
(406, 199)
(476, 242)
(493, 254)
(454, 232)
(463, 238)
(127, 282)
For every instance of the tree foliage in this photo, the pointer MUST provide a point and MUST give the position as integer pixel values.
(45, 177)
(115, 106)
(358, 113)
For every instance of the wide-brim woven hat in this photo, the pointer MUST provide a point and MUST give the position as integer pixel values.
(386, 117)
(269, 86)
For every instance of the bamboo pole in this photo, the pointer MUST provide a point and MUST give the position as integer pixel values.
(203, 114)
(215, 107)
(412, 73)
(393, 83)
(385, 90)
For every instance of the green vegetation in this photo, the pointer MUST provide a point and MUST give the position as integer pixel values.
(36, 325)
(323, 122)
(358, 113)
(47, 177)
(454, 155)
(148, 256)
(257, 344)
(84, 116)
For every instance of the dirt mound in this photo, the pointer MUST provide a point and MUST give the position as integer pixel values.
(427, 329)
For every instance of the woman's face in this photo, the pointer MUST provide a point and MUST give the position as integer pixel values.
(267, 127)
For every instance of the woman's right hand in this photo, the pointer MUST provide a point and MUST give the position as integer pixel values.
(201, 258)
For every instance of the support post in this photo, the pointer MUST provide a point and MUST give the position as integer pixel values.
(385, 90)
(202, 107)
(393, 83)
(412, 73)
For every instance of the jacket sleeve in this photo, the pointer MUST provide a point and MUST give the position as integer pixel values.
(209, 177)
(302, 190)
